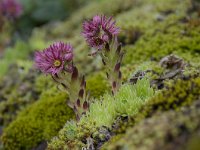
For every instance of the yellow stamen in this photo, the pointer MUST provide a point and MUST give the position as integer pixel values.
(57, 63)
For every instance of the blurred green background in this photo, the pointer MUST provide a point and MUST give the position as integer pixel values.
(150, 30)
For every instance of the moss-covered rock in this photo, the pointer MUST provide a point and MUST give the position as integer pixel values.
(37, 123)
(179, 93)
(43, 83)
(170, 130)
(150, 30)
(50, 113)
(97, 122)
(156, 46)
(163, 28)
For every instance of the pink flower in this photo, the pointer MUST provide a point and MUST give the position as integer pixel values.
(55, 59)
(99, 31)
(10, 8)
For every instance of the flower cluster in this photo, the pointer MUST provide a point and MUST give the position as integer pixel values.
(55, 59)
(99, 31)
(101, 34)
(11, 9)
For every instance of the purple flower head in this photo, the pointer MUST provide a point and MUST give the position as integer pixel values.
(10, 8)
(54, 59)
(99, 31)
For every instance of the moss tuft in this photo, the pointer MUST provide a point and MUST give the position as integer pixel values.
(178, 94)
(169, 130)
(102, 114)
(157, 45)
(37, 123)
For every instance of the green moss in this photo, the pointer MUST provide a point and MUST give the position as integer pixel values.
(69, 137)
(162, 131)
(102, 114)
(56, 143)
(162, 29)
(193, 142)
(42, 83)
(159, 31)
(127, 71)
(53, 104)
(156, 15)
(170, 40)
(39, 122)
(178, 94)
(97, 85)
(126, 102)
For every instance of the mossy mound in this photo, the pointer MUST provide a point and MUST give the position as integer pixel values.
(176, 95)
(73, 136)
(170, 40)
(37, 123)
(97, 122)
(150, 30)
(46, 116)
(170, 130)
(21, 87)
(179, 93)
(166, 29)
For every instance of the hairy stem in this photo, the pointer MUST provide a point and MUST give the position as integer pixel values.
(75, 85)
(112, 59)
